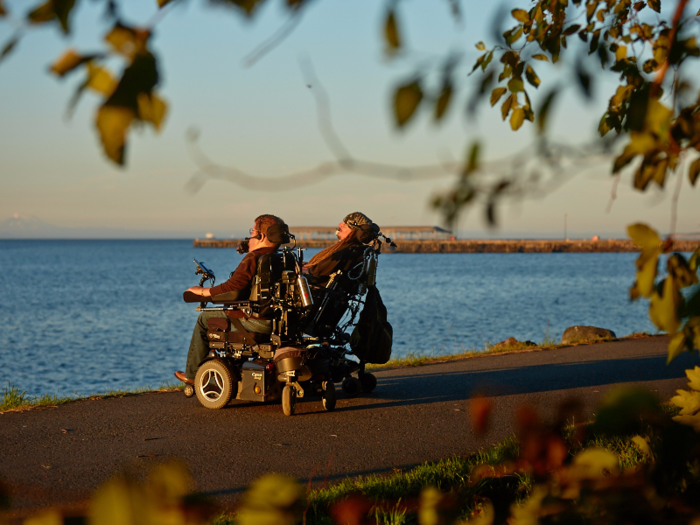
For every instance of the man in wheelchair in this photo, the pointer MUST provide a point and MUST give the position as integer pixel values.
(237, 287)
(272, 338)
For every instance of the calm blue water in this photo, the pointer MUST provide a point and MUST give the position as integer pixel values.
(90, 316)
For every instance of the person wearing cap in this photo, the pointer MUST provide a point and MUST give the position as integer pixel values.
(353, 231)
(239, 283)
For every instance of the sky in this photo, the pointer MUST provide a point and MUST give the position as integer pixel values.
(262, 119)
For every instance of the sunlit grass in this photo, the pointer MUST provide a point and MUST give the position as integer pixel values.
(12, 398)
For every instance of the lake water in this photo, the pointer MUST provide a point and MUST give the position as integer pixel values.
(81, 317)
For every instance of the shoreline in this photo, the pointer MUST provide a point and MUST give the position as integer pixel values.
(485, 246)
(52, 401)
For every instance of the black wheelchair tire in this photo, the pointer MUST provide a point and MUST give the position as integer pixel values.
(218, 395)
(368, 382)
(289, 400)
(328, 396)
(351, 386)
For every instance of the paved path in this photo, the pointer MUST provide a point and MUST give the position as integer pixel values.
(415, 415)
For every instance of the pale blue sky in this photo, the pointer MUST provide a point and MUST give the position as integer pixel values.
(262, 119)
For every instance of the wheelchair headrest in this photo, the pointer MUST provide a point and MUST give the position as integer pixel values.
(278, 233)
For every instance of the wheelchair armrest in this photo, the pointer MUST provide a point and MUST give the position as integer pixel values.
(190, 297)
(230, 297)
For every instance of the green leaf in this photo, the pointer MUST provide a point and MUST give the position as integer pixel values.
(543, 112)
(515, 85)
(407, 98)
(693, 171)
(531, 76)
(655, 5)
(517, 118)
(496, 95)
(540, 56)
(443, 101)
(391, 31)
(663, 307)
(520, 15)
(472, 158)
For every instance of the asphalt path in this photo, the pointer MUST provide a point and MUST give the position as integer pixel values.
(59, 456)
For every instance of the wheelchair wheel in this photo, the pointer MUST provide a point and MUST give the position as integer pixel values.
(368, 382)
(328, 393)
(289, 400)
(188, 391)
(214, 384)
(351, 386)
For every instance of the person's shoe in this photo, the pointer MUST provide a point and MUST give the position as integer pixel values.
(182, 377)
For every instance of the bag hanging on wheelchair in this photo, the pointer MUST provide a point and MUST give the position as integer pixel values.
(372, 337)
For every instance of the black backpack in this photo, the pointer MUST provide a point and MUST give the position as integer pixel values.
(372, 337)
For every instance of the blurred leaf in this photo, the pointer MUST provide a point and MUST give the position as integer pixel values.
(679, 270)
(517, 118)
(693, 378)
(407, 98)
(515, 85)
(139, 77)
(531, 76)
(595, 463)
(480, 46)
(643, 446)
(247, 6)
(643, 236)
(655, 5)
(3, 10)
(7, 48)
(169, 483)
(621, 53)
(66, 63)
(45, 517)
(100, 80)
(152, 109)
(480, 409)
(127, 41)
(694, 171)
(663, 307)
(694, 261)
(543, 112)
(391, 31)
(520, 15)
(540, 56)
(689, 401)
(496, 95)
(626, 410)
(443, 101)
(273, 499)
(676, 346)
(53, 10)
(505, 108)
(163, 3)
(112, 124)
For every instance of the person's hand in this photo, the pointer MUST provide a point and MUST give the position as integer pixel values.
(199, 290)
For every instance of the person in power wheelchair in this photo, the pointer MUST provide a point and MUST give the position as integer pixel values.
(306, 350)
(236, 287)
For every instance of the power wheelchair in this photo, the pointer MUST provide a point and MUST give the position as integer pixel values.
(308, 350)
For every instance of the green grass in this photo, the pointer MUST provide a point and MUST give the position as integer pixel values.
(12, 398)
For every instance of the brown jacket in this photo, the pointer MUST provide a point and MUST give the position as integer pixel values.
(242, 278)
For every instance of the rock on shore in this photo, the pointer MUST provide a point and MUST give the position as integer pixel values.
(575, 334)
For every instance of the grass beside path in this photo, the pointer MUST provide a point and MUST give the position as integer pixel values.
(14, 399)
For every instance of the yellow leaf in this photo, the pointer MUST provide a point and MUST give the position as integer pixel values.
(406, 101)
(66, 63)
(517, 118)
(520, 15)
(688, 402)
(480, 46)
(643, 446)
(507, 104)
(112, 124)
(621, 53)
(643, 236)
(125, 40)
(676, 346)
(3, 11)
(391, 31)
(496, 95)
(47, 517)
(272, 499)
(595, 463)
(163, 3)
(694, 171)
(100, 80)
(658, 118)
(663, 308)
(694, 378)
(44, 13)
(152, 109)
(690, 421)
(540, 56)
(169, 482)
(120, 501)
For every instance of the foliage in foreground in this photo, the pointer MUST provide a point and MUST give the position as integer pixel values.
(638, 462)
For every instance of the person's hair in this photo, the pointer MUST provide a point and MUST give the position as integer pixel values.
(363, 230)
(263, 222)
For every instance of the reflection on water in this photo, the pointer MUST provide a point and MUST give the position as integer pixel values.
(90, 316)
